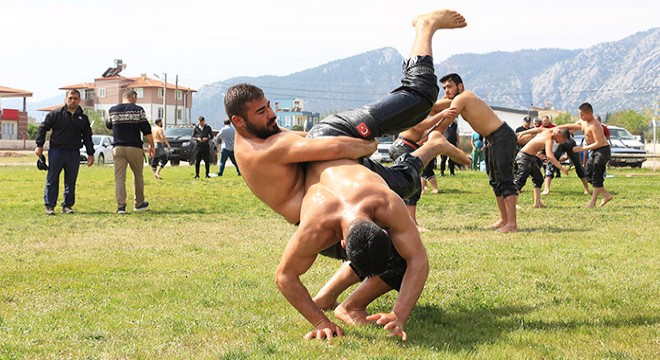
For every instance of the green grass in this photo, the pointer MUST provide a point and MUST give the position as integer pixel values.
(193, 277)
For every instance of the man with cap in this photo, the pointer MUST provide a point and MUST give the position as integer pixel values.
(202, 134)
(526, 125)
(70, 128)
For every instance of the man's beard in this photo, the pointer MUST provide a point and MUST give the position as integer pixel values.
(263, 133)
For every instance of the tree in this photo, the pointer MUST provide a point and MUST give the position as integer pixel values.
(97, 120)
(635, 122)
(563, 118)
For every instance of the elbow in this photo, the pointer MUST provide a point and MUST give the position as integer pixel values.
(281, 280)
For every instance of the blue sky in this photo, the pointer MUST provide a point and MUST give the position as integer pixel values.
(56, 43)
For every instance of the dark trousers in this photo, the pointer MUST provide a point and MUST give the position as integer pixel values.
(224, 154)
(202, 154)
(443, 160)
(58, 160)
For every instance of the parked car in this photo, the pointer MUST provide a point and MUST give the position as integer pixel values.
(622, 144)
(382, 153)
(183, 148)
(102, 150)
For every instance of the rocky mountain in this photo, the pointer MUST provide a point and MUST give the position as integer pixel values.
(612, 76)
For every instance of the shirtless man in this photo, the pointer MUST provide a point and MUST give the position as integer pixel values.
(345, 212)
(600, 152)
(411, 139)
(528, 155)
(499, 148)
(160, 158)
(270, 159)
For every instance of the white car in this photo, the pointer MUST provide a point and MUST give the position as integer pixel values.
(102, 150)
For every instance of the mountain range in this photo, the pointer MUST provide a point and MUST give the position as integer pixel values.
(612, 76)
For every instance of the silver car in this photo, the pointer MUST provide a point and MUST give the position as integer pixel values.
(102, 150)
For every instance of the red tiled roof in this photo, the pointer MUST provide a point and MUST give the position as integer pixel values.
(50, 108)
(9, 92)
(147, 82)
(78, 86)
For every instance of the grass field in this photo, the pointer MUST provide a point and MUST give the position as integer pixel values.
(193, 277)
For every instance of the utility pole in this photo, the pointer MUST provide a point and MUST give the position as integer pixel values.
(165, 102)
(176, 99)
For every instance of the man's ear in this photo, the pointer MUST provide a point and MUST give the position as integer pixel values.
(237, 121)
(461, 88)
(343, 243)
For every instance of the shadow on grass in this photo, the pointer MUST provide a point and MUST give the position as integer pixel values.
(464, 330)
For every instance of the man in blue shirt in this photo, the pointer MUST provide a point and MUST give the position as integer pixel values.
(225, 139)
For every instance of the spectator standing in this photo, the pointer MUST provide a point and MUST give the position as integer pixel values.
(225, 139)
(160, 159)
(477, 142)
(128, 121)
(70, 128)
(546, 122)
(526, 125)
(451, 134)
(202, 134)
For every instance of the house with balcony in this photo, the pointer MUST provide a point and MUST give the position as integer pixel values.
(168, 101)
(291, 112)
(14, 121)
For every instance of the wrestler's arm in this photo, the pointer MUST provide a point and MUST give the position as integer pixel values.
(598, 136)
(292, 148)
(549, 154)
(297, 259)
(408, 243)
(571, 127)
(440, 104)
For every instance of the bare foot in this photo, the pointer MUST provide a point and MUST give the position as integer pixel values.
(158, 177)
(422, 229)
(496, 225)
(441, 19)
(541, 205)
(434, 191)
(590, 205)
(545, 192)
(508, 229)
(586, 192)
(325, 304)
(353, 317)
(606, 200)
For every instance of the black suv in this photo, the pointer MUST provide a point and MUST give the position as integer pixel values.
(184, 147)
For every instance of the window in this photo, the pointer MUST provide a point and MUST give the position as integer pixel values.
(89, 94)
(287, 121)
(179, 94)
(101, 92)
(179, 114)
(161, 93)
(160, 112)
(140, 92)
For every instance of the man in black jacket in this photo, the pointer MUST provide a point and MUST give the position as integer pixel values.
(202, 134)
(127, 121)
(70, 130)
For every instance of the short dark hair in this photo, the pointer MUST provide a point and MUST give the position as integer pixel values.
(238, 95)
(368, 247)
(129, 93)
(227, 121)
(72, 91)
(453, 77)
(201, 118)
(158, 121)
(565, 133)
(586, 107)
